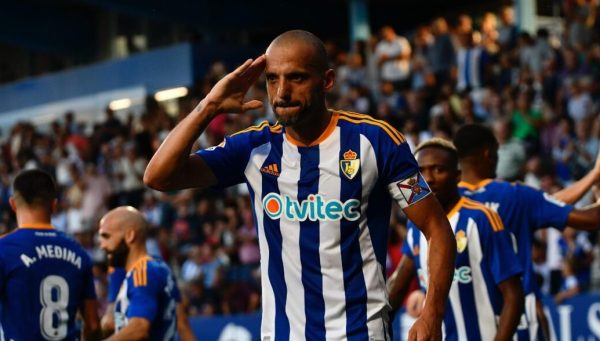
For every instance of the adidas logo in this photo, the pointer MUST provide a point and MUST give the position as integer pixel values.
(271, 169)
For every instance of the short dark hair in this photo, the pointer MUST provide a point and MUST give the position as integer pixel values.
(35, 187)
(470, 139)
(443, 144)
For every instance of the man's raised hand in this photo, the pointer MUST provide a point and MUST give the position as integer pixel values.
(229, 92)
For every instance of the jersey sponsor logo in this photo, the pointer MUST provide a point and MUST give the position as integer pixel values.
(463, 275)
(350, 164)
(413, 188)
(461, 241)
(314, 208)
(271, 169)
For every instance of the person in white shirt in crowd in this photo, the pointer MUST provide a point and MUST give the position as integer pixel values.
(393, 56)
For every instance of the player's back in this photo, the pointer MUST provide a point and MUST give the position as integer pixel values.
(149, 292)
(44, 278)
(484, 259)
(523, 210)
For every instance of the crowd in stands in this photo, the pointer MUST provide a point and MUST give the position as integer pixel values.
(539, 91)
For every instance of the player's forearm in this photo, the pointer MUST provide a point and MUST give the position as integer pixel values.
(183, 325)
(91, 334)
(573, 193)
(512, 308)
(175, 150)
(442, 251)
(137, 329)
(587, 219)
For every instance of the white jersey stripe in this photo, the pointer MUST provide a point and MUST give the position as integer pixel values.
(377, 299)
(257, 158)
(330, 248)
(290, 234)
(485, 312)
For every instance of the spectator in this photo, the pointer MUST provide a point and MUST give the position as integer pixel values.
(393, 56)
(511, 153)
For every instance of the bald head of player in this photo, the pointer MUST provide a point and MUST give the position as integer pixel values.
(298, 77)
(123, 233)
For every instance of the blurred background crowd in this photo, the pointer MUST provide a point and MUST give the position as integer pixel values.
(539, 91)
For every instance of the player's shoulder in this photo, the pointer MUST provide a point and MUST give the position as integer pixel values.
(9, 236)
(259, 131)
(481, 214)
(371, 127)
(147, 271)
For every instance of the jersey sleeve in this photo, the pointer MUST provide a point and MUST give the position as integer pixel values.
(89, 288)
(1, 277)
(228, 159)
(543, 209)
(499, 255)
(115, 279)
(143, 294)
(401, 174)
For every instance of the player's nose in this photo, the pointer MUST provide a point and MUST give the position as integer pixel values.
(283, 89)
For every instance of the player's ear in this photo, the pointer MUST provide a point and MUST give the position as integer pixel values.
(329, 79)
(458, 175)
(54, 205)
(130, 236)
(12, 203)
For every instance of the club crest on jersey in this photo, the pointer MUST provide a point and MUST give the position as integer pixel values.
(350, 164)
(413, 188)
(461, 241)
(416, 250)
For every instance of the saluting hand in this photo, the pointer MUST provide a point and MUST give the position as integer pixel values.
(229, 92)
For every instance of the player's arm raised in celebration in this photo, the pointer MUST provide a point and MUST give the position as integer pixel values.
(172, 166)
(573, 193)
(512, 307)
(430, 218)
(137, 328)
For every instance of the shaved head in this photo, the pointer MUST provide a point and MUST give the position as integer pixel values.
(123, 219)
(300, 38)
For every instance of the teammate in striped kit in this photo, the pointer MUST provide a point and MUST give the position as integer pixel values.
(145, 306)
(320, 182)
(523, 210)
(486, 297)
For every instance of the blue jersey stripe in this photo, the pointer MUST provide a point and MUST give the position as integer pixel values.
(274, 241)
(450, 324)
(379, 218)
(466, 290)
(354, 281)
(309, 248)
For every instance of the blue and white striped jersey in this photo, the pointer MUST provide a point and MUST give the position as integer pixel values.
(148, 291)
(484, 258)
(523, 210)
(322, 213)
